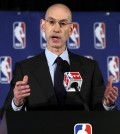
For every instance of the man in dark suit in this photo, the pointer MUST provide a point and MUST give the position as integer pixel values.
(32, 86)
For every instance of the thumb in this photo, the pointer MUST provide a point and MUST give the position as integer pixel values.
(110, 80)
(25, 79)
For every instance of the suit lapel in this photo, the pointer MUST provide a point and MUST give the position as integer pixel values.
(76, 65)
(44, 91)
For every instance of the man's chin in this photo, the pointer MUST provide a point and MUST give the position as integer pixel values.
(56, 46)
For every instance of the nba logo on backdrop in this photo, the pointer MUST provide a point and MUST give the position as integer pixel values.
(42, 40)
(74, 39)
(99, 35)
(19, 35)
(83, 128)
(5, 69)
(113, 67)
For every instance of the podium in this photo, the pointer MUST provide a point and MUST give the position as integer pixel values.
(61, 122)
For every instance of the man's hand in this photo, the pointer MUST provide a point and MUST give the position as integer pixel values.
(111, 93)
(21, 91)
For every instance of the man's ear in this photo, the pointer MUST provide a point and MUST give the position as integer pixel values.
(71, 29)
(42, 23)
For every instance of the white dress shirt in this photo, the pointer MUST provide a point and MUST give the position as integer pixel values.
(51, 57)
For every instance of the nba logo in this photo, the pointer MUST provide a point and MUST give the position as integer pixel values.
(113, 67)
(71, 77)
(83, 128)
(5, 69)
(74, 39)
(99, 35)
(19, 35)
(42, 40)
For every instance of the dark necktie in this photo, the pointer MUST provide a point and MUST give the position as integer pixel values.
(58, 82)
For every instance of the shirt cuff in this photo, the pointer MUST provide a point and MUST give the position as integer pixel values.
(15, 108)
(108, 108)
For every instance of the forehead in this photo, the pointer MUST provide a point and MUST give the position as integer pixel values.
(59, 13)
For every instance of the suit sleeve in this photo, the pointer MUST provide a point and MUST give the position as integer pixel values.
(17, 76)
(98, 89)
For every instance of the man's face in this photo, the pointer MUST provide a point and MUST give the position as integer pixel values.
(57, 27)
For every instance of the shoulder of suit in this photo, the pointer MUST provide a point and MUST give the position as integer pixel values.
(32, 59)
(81, 58)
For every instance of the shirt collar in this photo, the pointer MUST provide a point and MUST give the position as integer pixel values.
(51, 57)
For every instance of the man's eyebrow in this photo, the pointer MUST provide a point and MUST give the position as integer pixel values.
(63, 20)
(50, 18)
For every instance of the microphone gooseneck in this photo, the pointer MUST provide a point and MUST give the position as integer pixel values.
(77, 88)
(74, 85)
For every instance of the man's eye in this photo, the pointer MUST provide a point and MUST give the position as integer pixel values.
(62, 23)
(51, 22)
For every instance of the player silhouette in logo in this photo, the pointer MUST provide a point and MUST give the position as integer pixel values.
(99, 34)
(113, 68)
(83, 130)
(19, 34)
(5, 68)
(74, 35)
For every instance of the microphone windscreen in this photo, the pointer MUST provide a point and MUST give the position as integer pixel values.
(65, 67)
(74, 85)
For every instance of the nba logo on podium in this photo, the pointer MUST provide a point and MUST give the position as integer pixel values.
(19, 35)
(5, 69)
(82, 128)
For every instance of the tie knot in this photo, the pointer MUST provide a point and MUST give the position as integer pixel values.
(58, 60)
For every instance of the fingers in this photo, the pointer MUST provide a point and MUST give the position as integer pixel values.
(21, 90)
(115, 91)
(111, 95)
(110, 81)
(25, 79)
(20, 85)
(22, 93)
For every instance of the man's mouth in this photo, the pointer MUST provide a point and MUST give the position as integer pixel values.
(55, 39)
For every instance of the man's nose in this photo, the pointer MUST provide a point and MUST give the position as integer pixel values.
(57, 27)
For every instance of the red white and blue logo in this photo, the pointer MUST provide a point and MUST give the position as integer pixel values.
(82, 128)
(5, 69)
(69, 78)
(99, 35)
(19, 35)
(74, 39)
(42, 40)
(113, 67)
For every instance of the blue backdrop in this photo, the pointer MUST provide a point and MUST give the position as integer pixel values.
(95, 35)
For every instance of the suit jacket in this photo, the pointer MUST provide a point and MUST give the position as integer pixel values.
(42, 91)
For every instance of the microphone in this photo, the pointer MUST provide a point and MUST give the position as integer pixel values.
(69, 78)
(73, 82)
